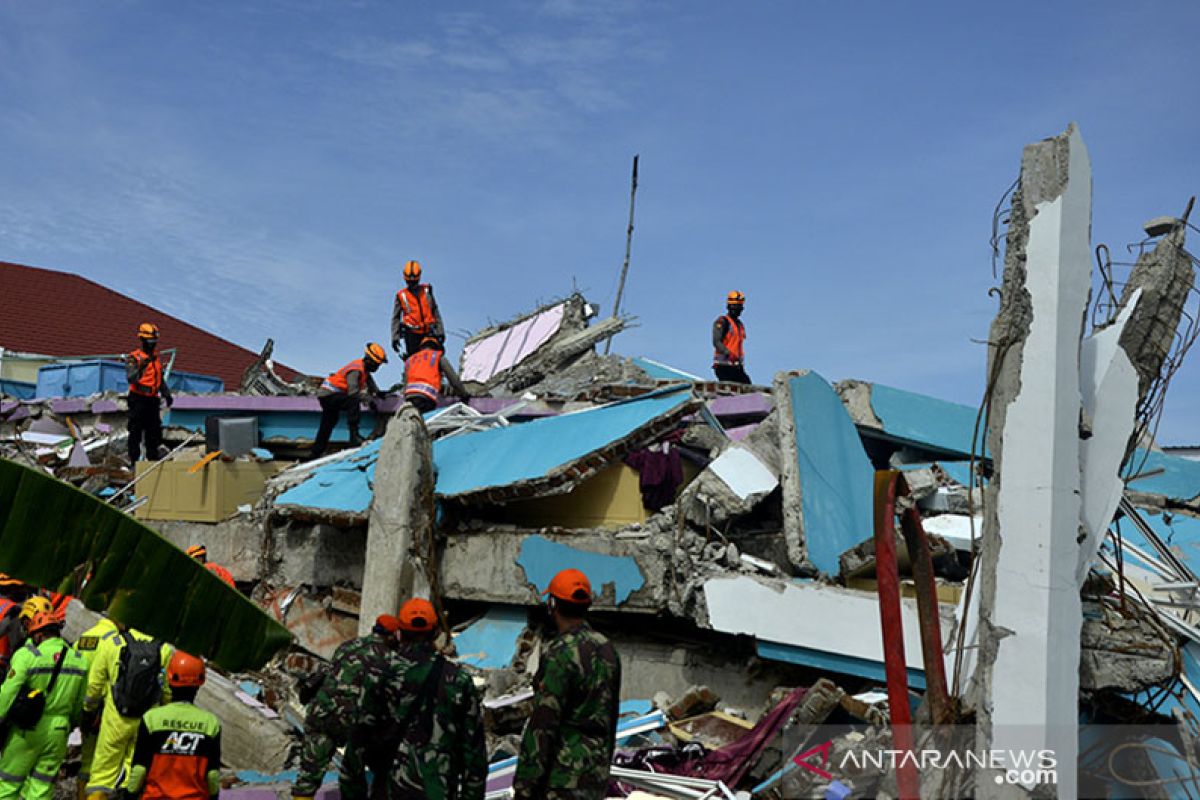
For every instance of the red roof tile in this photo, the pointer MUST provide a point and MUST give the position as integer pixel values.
(60, 314)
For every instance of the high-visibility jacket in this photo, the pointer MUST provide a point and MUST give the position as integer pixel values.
(734, 341)
(89, 641)
(149, 383)
(423, 374)
(32, 666)
(102, 673)
(221, 572)
(177, 755)
(339, 382)
(417, 306)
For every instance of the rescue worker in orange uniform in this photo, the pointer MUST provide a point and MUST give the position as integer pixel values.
(729, 341)
(147, 390)
(423, 374)
(345, 390)
(178, 750)
(415, 314)
(200, 553)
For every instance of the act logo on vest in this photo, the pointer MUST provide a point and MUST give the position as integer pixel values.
(182, 744)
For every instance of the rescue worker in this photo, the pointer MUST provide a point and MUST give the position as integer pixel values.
(37, 604)
(729, 341)
(118, 732)
(178, 750)
(423, 375)
(415, 314)
(12, 631)
(31, 758)
(355, 671)
(568, 741)
(147, 389)
(86, 646)
(434, 710)
(200, 553)
(345, 390)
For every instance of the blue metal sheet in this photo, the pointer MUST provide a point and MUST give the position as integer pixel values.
(491, 641)
(542, 559)
(345, 485)
(835, 662)
(662, 372)
(836, 477)
(1178, 480)
(936, 424)
(503, 456)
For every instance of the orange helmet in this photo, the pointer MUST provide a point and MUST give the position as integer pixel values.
(147, 330)
(42, 620)
(376, 353)
(185, 671)
(735, 298)
(198, 551)
(571, 586)
(388, 623)
(417, 615)
(412, 271)
(34, 606)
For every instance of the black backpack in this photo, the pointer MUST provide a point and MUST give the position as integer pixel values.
(29, 704)
(139, 682)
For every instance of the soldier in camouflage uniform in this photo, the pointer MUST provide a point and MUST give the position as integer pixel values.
(340, 708)
(439, 749)
(568, 743)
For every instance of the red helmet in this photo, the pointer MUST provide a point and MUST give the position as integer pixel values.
(571, 586)
(42, 620)
(185, 671)
(417, 616)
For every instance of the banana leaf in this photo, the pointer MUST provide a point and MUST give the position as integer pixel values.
(54, 536)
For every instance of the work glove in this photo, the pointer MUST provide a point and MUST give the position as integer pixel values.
(170, 401)
(395, 345)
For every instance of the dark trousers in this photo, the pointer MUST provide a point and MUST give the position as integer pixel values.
(144, 421)
(412, 342)
(731, 374)
(420, 402)
(332, 406)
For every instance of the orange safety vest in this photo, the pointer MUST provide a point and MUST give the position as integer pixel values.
(150, 382)
(423, 374)
(735, 343)
(339, 381)
(221, 572)
(418, 308)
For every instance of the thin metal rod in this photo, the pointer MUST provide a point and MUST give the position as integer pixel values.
(157, 464)
(628, 246)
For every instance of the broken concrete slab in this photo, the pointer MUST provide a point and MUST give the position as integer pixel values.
(252, 736)
(827, 478)
(490, 642)
(400, 547)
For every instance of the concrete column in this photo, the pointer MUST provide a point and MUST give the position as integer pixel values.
(401, 516)
(1026, 683)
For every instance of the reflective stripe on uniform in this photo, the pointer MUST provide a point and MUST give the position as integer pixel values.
(8, 776)
(50, 670)
(37, 776)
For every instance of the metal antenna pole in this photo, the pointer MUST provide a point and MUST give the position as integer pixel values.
(628, 244)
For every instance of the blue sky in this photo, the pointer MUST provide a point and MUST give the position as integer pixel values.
(264, 169)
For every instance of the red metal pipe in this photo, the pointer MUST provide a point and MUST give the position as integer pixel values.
(887, 573)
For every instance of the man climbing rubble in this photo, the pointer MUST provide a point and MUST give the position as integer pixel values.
(415, 314)
(729, 341)
(178, 750)
(434, 709)
(424, 373)
(345, 390)
(340, 709)
(125, 681)
(147, 390)
(45, 668)
(568, 742)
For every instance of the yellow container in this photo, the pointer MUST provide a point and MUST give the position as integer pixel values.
(211, 494)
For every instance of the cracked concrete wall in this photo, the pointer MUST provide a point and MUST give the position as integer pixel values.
(1026, 682)
(856, 397)
(401, 518)
(789, 477)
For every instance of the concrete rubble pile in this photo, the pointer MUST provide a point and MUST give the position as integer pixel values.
(732, 536)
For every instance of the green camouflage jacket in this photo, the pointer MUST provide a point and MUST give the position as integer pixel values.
(340, 707)
(568, 741)
(440, 751)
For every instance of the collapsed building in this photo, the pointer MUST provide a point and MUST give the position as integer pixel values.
(777, 631)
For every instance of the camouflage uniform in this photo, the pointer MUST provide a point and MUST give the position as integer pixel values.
(568, 743)
(337, 710)
(439, 749)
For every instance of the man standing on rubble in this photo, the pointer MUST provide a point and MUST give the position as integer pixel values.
(147, 389)
(339, 708)
(729, 341)
(436, 740)
(423, 374)
(415, 314)
(345, 390)
(568, 742)
(35, 747)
